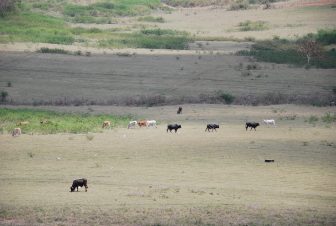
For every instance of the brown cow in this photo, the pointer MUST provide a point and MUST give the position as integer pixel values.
(16, 132)
(142, 123)
(106, 124)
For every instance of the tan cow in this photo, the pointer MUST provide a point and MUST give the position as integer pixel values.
(23, 123)
(16, 132)
(106, 124)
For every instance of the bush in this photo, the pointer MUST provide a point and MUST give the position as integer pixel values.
(329, 117)
(152, 19)
(253, 25)
(55, 50)
(283, 51)
(239, 5)
(8, 6)
(228, 98)
(4, 95)
(326, 37)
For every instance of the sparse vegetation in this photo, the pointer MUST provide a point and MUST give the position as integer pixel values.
(149, 39)
(152, 19)
(313, 119)
(55, 50)
(329, 118)
(61, 122)
(239, 5)
(290, 52)
(101, 12)
(194, 3)
(253, 25)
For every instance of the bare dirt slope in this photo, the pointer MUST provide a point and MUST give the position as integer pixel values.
(44, 77)
(148, 176)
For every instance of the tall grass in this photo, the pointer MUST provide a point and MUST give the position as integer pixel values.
(100, 12)
(35, 27)
(253, 25)
(56, 122)
(150, 39)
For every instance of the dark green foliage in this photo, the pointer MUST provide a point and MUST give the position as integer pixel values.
(48, 50)
(150, 39)
(326, 37)
(228, 98)
(9, 6)
(283, 51)
(4, 95)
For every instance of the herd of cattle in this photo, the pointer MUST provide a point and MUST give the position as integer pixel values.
(152, 123)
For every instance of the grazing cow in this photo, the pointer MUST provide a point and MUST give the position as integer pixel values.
(23, 123)
(212, 127)
(142, 123)
(253, 125)
(16, 132)
(151, 123)
(269, 122)
(106, 124)
(171, 127)
(44, 121)
(79, 183)
(132, 124)
(179, 110)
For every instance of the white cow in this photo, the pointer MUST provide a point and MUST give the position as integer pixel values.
(151, 123)
(269, 122)
(132, 124)
(16, 132)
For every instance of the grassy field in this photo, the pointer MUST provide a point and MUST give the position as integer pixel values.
(151, 177)
(55, 122)
(133, 79)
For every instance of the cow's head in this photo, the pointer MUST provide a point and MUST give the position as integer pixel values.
(72, 189)
(179, 126)
(257, 124)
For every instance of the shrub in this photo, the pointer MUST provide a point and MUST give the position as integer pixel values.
(326, 36)
(4, 95)
(329, 117)
(8, 6)
(312, 119)
(152, 19)
(239, 5)
(253, 25)
(52, 50)
(228, 98)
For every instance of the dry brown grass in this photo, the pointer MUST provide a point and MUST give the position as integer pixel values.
(146, 176)
(113, 79)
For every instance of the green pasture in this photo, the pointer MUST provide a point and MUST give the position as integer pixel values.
(57, 122)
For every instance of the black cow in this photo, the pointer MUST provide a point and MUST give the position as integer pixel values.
(171, 127)
(253, 125)
(79, 183)
(212, 127)
(179, 110)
